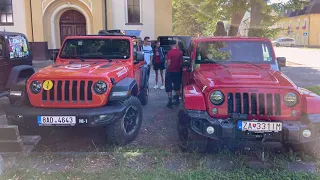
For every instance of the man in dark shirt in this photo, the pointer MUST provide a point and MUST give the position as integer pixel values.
(173, 73)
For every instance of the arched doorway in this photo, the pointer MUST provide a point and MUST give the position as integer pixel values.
(72, 23)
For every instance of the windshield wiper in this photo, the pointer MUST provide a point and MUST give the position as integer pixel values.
(104, 57)
(244, 62)
(80, 58)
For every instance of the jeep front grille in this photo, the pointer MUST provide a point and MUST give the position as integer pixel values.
(254, 104)
(69, 91)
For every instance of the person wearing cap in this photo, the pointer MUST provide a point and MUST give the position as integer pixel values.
(173, 73)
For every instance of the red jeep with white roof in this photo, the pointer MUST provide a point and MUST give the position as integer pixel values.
(233, 90)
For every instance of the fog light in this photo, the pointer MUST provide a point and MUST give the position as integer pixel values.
(306, 133)
(294, 113)
(103, 118)
(210, 130)
(214, 111)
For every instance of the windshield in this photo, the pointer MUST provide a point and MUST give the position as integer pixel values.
(96, 48)
(219, 51)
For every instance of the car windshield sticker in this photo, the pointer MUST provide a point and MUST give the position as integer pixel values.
(77, 66)
(80, 43)
(18, 47)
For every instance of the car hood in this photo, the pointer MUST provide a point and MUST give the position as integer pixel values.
(241, 75)
(83, 70)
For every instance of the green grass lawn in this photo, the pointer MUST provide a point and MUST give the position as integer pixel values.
(160, 174)
(315, 89)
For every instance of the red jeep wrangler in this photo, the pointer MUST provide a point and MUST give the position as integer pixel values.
(97, 80)
(234, 91)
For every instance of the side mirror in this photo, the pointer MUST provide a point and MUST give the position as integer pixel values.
(139, 56)
(186, 61)
(282, 61)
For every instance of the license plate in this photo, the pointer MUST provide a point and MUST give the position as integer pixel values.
(259, 126)
(56, 120)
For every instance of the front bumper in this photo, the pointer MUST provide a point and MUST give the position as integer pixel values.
(292, 131)
(27, 116)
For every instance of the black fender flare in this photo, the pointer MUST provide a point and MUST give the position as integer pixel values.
(144, 76)
(14, 74)
(125, 85)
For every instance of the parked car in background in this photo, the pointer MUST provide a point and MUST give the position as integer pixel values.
(183, 42)
(284, 42)
(15, 60)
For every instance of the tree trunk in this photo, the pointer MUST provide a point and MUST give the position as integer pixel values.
(239, 7)
(256, 17)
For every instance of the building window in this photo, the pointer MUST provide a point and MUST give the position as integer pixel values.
(6, 13)
(133, 12)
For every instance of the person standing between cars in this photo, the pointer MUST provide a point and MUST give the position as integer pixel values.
(148, 52)
(173, 74)
(158, 63)
(220, 30)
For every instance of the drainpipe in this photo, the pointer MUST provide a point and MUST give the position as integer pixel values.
(309, 27)
(31, 21)
(106, 14)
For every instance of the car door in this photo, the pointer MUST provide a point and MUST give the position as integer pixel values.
(3, 64)
(138, 65)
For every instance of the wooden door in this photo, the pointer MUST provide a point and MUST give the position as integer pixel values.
(72, 23)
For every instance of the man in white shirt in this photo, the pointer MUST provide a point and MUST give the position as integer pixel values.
(148, 52)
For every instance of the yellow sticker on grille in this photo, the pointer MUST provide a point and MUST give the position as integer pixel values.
(47, 85)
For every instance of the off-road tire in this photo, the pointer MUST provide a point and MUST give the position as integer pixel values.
(190, 141)
(116, 132)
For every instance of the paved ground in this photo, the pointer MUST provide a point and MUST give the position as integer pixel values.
(159, 125)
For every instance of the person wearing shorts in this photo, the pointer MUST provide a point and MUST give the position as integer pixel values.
(173, 74)
(158, 63)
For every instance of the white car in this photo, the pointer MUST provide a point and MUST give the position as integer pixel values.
(285, 42)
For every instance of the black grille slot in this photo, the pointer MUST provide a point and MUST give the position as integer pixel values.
(44, 95)
(89, 91)
(52, 91)
(277, 101)
(82, 84)
(74, 90)
(254, 104)
(245, 103)
(261, 105)
(67, 91)
(230, 103)
(59, 91)
(238, 103)
(269, 105)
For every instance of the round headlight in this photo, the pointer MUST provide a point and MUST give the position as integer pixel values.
(217, 97)
(100, 87)
(35, 87)
(290, 99)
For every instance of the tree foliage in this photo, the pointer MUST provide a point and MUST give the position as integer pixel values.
(193, 17)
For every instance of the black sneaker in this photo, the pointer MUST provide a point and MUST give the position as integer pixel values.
(177, 100)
